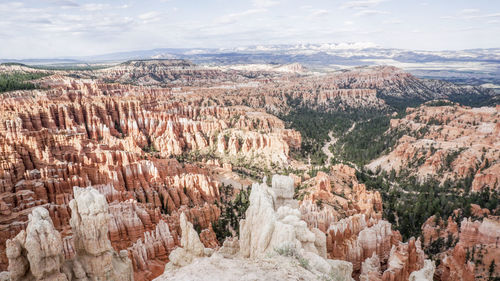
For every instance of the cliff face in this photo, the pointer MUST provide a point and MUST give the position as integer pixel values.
(123, 140)
(158, 148)
(271, 233)
(453, 142)
(351, 218)
(467, 249)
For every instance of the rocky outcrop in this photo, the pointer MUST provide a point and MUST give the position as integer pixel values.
(217, 267)
(404, 259)
(370, 269)
(448, 143)
(272, 234)
(424, 274)
(89, 221)
(327, 198)
(37, 253)
(349, 215)
(191, 246)
(123, 140)
(272, 223)
(465, 250)
(455, 265)
(150, 254)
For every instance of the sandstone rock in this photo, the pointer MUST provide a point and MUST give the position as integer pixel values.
(37, 253)
(191, 246)
(89, 221)
(465, 136)
(403, 260)
(370, 269)
(271, 225)
(424, 274)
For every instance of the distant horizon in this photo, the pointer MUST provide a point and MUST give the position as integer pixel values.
(67, 28)
(240, 47)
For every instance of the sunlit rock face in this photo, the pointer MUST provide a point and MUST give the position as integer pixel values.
(152, 138)
(349, 215)
(123, 140)
(447, 142)
(272, 228)
(37, 253)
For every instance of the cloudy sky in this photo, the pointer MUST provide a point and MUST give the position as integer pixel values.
(58, 28)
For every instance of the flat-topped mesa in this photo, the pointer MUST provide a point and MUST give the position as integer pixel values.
(37, 253)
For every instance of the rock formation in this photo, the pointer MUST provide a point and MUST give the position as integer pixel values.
(89, 221)
(272, 227)
(37, 253)
(404, 259)
(191, 246)
(160, 146)
(273, 223)
(349, 215)
(424, 274)
(370, 269)
(451, 141)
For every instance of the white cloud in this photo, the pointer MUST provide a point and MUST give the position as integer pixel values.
(392, 21)
(93, 7)
(319, 12)
(361, 4)
(471, 14)
(469, 11)
(64, 3)
(363, 13)
(150, 17)
(231, 18)
(265, 3)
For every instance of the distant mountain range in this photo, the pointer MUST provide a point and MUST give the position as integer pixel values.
(475, 66)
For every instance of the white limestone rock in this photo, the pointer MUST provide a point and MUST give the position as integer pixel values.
(89, 221)
(191, 246)
(273, 223)
(424, 274)
(37, 253)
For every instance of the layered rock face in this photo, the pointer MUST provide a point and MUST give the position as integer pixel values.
(349, 215)
(351, 218)
(271, 233)
(330, 197)
(122, 139)
(453, 142)
(38, 252)
(404, 259)
(156, 154)
(470, 248)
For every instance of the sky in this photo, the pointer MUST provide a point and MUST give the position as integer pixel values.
(64, 28)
